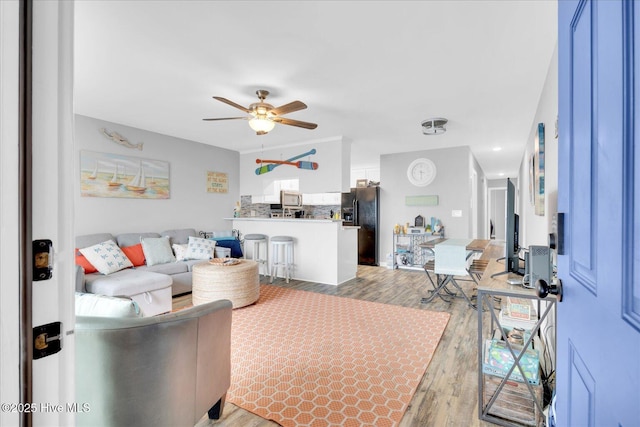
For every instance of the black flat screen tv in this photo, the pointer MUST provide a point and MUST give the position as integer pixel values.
(512, 221)
(512, 248)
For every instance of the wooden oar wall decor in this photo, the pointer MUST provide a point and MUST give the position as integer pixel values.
(269, 165)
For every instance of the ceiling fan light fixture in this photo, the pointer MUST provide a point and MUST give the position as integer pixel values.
(263, 117)
(261, 125)
(261, 110)
(434, 126)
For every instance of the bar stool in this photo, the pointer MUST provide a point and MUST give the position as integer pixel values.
(257, 240)
(286, 244)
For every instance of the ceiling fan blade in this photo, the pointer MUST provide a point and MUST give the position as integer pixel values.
(289, 108)
(297, 123)
(226, 118)
(233, 104)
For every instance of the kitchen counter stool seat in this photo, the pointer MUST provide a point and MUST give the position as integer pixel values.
(258, 240)
(281, 256)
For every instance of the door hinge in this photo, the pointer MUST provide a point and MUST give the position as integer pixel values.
(47, 339)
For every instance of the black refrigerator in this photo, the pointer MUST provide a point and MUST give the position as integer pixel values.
(361, 207)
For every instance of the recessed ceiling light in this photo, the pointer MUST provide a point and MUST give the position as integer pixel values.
(501, 174)
(497, 148)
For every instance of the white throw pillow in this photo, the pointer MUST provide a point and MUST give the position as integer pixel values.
(106, 257)
(180, 250)
(157, 250)
(199, 248)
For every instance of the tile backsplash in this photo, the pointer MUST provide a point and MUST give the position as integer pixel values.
(263, 210)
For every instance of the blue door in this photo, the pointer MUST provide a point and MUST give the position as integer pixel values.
(598, 355)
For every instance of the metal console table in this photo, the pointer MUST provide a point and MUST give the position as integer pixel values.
(409, 248)
(488, 289)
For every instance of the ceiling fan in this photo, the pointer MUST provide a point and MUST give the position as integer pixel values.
(263, 117)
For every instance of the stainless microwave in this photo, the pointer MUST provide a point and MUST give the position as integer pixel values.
(290, 199)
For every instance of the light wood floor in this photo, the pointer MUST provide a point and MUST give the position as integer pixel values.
(448, 393)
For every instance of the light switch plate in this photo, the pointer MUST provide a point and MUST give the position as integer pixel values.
(456, 213)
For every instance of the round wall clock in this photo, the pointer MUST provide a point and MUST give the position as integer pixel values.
(421, 172)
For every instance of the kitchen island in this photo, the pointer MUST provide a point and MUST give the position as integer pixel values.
(324, 250)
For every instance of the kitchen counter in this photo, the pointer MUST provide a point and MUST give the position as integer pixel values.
(324, 250)
(285, 219)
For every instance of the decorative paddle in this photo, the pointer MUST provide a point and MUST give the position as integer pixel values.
(300, 164)
(268, 168)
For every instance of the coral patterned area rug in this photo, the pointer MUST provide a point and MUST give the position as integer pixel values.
(301, 358)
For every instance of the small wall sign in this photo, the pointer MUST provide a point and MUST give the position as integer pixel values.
(217, 182)
(421, 200)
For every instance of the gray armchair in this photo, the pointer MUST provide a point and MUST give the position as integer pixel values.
(167, 370)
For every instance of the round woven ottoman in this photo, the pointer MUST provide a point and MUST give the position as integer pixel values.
(239, 283)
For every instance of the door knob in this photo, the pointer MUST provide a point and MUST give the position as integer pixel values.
(545, 289)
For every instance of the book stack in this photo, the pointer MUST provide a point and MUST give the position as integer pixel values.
(498, 360)
(518, 316)
(519, 309)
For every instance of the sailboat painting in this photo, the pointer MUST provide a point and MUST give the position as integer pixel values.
(114, 175)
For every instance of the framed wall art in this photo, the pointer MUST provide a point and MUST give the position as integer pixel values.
(114, 175)
(539, 170)
(532, 165)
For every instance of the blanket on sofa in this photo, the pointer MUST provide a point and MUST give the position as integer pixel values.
(233, 244)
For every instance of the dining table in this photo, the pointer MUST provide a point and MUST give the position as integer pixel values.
(453, 260)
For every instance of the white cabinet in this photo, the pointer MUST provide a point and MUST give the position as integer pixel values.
(319, 199)
(370, 174)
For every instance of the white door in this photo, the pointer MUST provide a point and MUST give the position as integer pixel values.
(36, 203)
(53, 165)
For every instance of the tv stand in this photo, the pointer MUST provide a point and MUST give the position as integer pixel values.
(500, 273)
(497, 394)
(518, 270)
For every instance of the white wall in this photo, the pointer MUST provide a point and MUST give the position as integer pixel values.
(370, 174)
(333, 157)
(189, 205)
(537, 228)
(451, 185)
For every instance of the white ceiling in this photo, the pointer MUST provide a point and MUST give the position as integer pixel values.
(369, 71)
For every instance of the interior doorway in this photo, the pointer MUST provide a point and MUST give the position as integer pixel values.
(473, 181)
(497, 210)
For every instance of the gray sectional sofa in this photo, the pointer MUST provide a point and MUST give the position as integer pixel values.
(157, 282)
